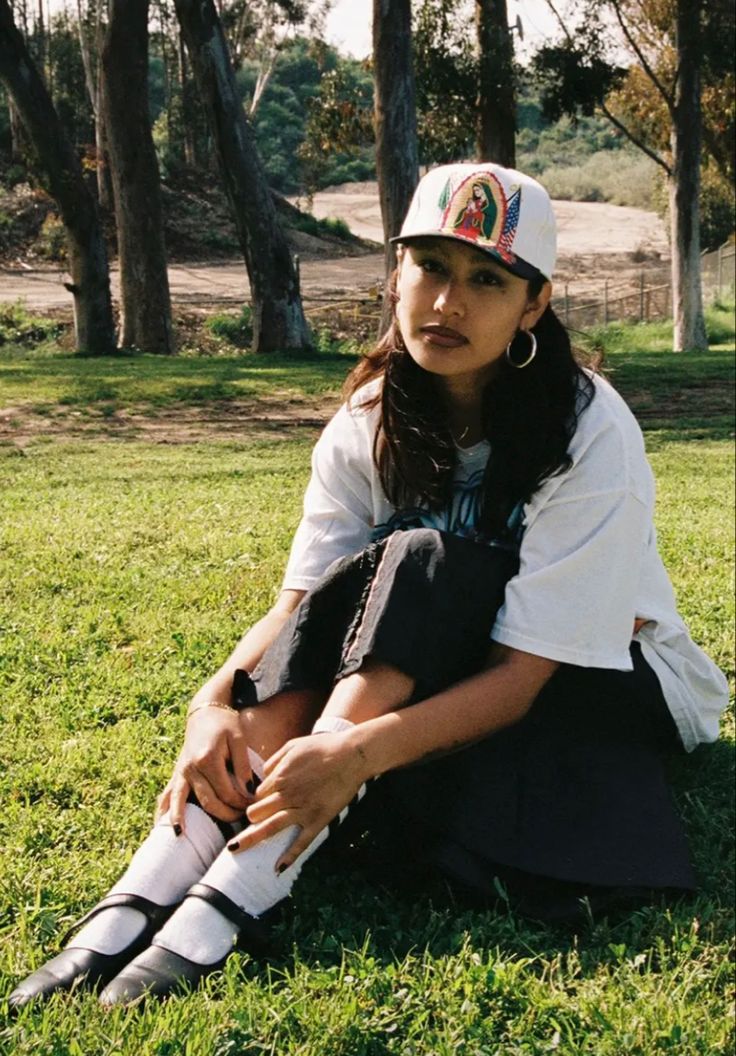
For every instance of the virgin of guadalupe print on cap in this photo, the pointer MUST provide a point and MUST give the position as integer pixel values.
(479, 211)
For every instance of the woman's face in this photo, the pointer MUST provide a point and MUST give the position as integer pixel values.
(457, 309)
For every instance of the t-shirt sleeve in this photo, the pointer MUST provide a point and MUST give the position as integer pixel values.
(337, 516)
(574, 597)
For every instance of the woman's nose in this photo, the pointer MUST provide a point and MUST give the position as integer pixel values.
(449, 299)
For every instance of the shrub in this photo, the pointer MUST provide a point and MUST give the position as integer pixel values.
(619, 177)
(17, 327)
(237, 330)
(52, 239)
(330, 228)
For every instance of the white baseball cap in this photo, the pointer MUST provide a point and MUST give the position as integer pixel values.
(500, 211)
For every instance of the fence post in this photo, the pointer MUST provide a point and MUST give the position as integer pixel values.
(641, 296)
(298, 273)
(605, 302)
(567, 304)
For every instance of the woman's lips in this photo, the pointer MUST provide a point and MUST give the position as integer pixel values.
(443, 336)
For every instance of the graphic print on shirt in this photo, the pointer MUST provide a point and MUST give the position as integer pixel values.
(459, 516)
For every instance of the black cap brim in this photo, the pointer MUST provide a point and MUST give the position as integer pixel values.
(518, 267)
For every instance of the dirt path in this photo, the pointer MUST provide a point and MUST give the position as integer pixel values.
(203, 284)
(596, 242)
(230, 420)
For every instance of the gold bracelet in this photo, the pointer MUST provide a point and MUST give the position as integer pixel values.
(196, 706)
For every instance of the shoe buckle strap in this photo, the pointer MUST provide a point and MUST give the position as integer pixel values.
(155, 914)
(253, 935)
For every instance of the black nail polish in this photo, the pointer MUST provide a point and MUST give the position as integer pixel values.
(282, 868)
(177, 829)
(234, 846)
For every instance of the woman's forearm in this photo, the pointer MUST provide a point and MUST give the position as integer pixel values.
(467, 712)
(250, 648)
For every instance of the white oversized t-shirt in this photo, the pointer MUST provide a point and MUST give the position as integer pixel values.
(589, 564)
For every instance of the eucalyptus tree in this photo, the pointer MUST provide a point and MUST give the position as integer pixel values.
(279, 323)
(665, 41)
(496, 107)
(397, 162)
(144, 286)
(59, 171)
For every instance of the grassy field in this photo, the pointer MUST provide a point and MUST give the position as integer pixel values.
(128, 568)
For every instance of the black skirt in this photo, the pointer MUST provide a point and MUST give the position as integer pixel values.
(571, 801)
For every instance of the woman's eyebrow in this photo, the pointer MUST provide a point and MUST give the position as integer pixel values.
(491, 266)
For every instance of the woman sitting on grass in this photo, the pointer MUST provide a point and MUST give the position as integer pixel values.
(474, 609)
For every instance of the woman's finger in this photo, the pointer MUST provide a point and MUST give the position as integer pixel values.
(264, 808)
(241, 775)
(178, 793)
(255, 833)
(208, 799)
(273, 760)
(162, 804)
(220, 783)
(300, 844)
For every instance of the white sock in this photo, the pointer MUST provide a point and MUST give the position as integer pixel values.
(200, 932)
(162, 870)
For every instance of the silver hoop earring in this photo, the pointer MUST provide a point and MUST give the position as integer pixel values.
(532, 350)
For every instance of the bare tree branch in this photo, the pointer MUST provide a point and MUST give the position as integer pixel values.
(645, 64)
(635, 140)
(560, 20)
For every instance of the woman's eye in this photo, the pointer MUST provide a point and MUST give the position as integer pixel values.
(487, 278)
(430, 265)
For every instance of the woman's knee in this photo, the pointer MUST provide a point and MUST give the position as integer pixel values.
(267, 726)
(418, 541)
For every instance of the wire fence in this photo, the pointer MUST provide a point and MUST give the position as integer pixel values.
(649, 296)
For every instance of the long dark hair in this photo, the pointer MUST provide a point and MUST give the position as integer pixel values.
(529, 416)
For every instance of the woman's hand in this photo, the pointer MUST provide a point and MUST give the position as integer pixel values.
(306, 783)
(214, 764)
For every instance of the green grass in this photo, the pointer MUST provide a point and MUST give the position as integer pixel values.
(126, 572)
(154, 383)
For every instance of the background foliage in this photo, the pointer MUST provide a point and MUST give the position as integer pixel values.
(313, 121)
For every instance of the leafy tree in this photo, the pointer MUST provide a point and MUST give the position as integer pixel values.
(340, 124)
(580, 75)
(446, 68)
(278, 317)
(60, 173)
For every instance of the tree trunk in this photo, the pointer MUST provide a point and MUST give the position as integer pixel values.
(496, 96)
(187, 118)
(144, 284)
(684, 185)
(278, 318)
(16, 133)
(92, 75)
(60, 173)
(40, 35)
(397, 161)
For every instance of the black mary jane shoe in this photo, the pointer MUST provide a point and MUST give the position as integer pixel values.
(78, 967)
(158, 971)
